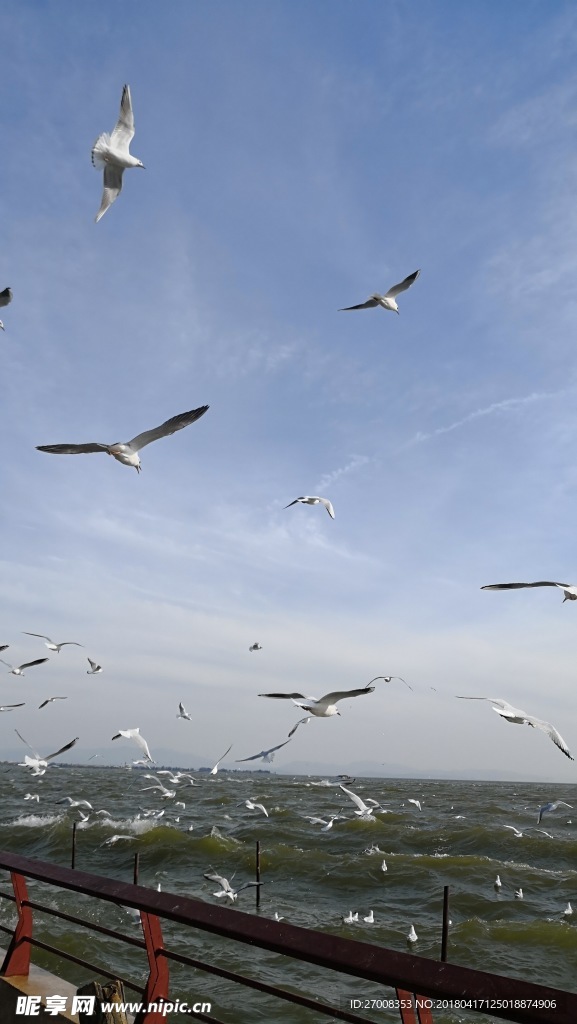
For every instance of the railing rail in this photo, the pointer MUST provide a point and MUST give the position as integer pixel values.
(502, 997)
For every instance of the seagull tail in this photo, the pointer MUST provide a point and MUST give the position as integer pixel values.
(99, 149)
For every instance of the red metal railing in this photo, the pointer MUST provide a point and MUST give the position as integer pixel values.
(506, 998)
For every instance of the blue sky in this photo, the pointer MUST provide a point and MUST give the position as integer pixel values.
(298, 157)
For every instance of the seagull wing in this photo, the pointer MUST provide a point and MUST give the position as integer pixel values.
(5, 297)
(224, 882)
(505, 707)
(215, 769)
(123, 133)
(70, 643)
(26, 744)
(279, 696)
(71, 449)
(183, 419)
(301, 721)
(520, 586)
(332, 698)
(328, 506)
(62, 749)
(362, 305)
(245, 885)
(29, 664)
(402, 287)
(552, 733)
(10, 707)
(112, 188)
(41, 635)
(356, 799)
(264, 753)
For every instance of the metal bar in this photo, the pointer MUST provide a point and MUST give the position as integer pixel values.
(86, 924)
(136, 868)
(406, 1006)
(257, 874)
(157, 986)
(360, 959)
(9, 931)
(86, 963)
(445, 931)
(73, 853)
(270, 990)
(17, 959)
(7, 896)
(423, 1010)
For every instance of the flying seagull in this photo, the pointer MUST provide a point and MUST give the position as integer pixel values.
(518, 717)
(5, 298)
(323, 707)
(569, 589)
(111, 153)
(365, 810)
(266, 755)
(226, 888)
(387, 301)
(256, 647)
(547, 808)
(256, 807)
(183, 713)
(127, 452)
(314, 501)
(49, 701)
(94, 668)
(213, 771)
(10, 707)
(50, 643)
(134, 734)
(389, 679)
(18, 670)
(38, 763)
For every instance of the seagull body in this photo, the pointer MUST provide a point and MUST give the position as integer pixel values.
(370, 919)
(412, 936)
(50, 643)
(569, 589)
(518, 717)
(364, 810)
(94, 668)
(265, 755)
(256, 647)
(351, 918)
(112, 153)
(306, 500)
(497, 883)
(387, 301)
(32, 796)
(226, 888)
(256, 807)
(39, 764)
(49, 700)
(384, 866)
(183, 713)
(127, 452)
(389, 679)
(214, 771)
(547, 808)
(19, 669)
(566, 913)
(323, 707)
(5, 298)
(134, 734)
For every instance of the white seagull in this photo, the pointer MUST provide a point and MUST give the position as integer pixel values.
(226, 888)
(518, 717)
(183, 713)
(50, 643)
(214, 771)
(387, 301)
(498, 883)
(32, 796)
(566, 913)
(10, 707)
(38, 763)
(569, 589)
(5, 298)
(412, 936)
(76, 803)
(306, 500)
(112, 153)
(127, 452)
(49, 701)
(417, 803)
(265, 755)
(370, 919)
(321, 707)
(134, 734)
(389, 679)
(547, 808)
(350, 918)
(518, 894)
(19, 669)
(114, 839)
(94, 668)
(365, 810)
(256, 807)
(256, 647)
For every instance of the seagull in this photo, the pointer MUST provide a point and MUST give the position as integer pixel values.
(256, 647)
(49, 701)
(322, 707)
(134, 734)
(387, 301)
(546, 808)
(214, 771)
(389, 679)
(417, 803)
(38, 763)
(412, 936)
(370, 919)
(530, 828)
(351, 918)
(183, 713)
(277, 916)
(5, 298)
(10, 707)
(497, 883)
(256, 807)
(569, 589)
(301, 721)
(321, 821)
(518, 894)
(111, 153)
(518, 717)
(167, 794)
(314, 501)
(566, 913)
(50, 643)
(32, 796)
(384, 866)
(265, 755)
(226, 888)
(364, 810)
(18, 671)
(94, 668)
(127, 452)
(114, 839)
(76, 803)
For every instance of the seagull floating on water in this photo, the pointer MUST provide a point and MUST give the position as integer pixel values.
(518, 894)
(19, 669)
(127, 452)
(387, 301)
(566, 913)
(134, 734)
(183, 713)
(412, 936)
(112, 153)
(321, 707)
(256, 647)
(497, 883)
(94, 668)
(370, 919)
(50, 643)
(49, 701)
(5, 298)
(351, 918)
(547, 808)
(569, 589)
(518, 717)
(306, 500)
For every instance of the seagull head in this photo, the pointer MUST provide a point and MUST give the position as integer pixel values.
(140, 164)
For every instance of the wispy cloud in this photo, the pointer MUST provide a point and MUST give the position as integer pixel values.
(507, 405)
(329, 478)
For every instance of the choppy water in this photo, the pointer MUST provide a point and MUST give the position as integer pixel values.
(313, 878)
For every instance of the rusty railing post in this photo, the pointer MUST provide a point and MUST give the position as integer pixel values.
(445, 931)
(156, 990)
(17, 959)
(257, 873)
(136, 867)
(73, 852)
